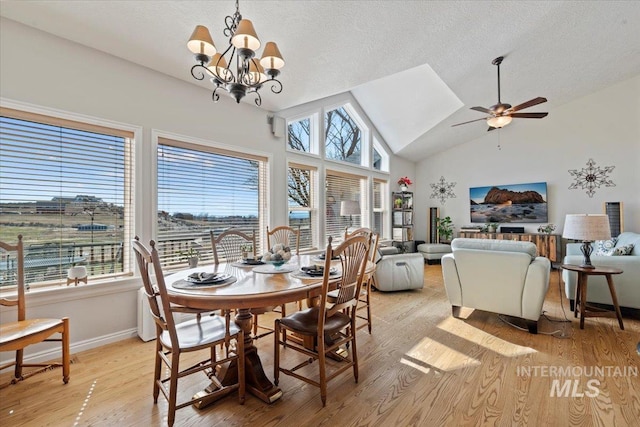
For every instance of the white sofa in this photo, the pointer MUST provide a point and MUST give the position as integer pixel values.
(627, 284)
(500, 276)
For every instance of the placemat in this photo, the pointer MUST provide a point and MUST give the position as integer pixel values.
(243, 264)
(270, 269)
(186, 284)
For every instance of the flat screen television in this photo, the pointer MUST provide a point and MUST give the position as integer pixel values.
(514, 203)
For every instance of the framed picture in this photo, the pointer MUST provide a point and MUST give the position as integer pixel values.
(509, 203)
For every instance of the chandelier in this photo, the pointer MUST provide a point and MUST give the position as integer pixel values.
(248, 74)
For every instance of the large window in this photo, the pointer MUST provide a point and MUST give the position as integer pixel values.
(300, 193)
(202, 189)
(343, 137)
(67, 188)
(345, 203)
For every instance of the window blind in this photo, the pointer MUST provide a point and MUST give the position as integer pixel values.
(379, 211)
(67, 188)
(201, 189)
(341, 187)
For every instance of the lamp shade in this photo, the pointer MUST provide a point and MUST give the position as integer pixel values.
(271, 57)
(586, 227)
(245, 36)
(499, 121)
(349, 207)
(201, 42)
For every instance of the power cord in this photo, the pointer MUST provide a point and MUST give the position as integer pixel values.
(559, 333)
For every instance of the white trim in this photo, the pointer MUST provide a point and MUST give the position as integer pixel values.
(62, 114)
(55, 352)
(44, 296)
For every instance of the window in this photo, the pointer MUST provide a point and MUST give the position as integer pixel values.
(380, 157)
(299, 135)
(302, 212)
(343, 140)
(341, 188)
(67, 188)
(379, 204)
(202, 188)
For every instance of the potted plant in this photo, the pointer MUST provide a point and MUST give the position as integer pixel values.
(445, 229)
(492, 227)
(404, 183)
(546, 228)
(191, 256)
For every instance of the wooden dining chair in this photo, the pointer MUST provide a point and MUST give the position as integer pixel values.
(173, 339)
(16, 336)
(364, 306)
(286, 235)
(329, 324)
(228, 246)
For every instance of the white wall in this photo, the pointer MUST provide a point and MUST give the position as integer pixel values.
(46, 72)
(603, 126)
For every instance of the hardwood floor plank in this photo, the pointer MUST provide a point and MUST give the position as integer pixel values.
(420, 367)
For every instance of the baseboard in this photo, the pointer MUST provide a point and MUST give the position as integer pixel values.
(54, 352)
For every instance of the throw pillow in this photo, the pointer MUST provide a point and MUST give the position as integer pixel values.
(622, 250)
(604, 247)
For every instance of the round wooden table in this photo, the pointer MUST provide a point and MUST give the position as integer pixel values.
(581, 292)
(251, 290)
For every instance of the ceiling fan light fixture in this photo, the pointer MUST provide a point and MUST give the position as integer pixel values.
(499, 121)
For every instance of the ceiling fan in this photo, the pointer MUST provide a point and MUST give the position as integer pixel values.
(501, 114)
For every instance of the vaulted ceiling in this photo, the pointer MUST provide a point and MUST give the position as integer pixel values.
(416, 67)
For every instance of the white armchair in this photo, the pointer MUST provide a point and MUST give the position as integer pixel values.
(500, 276)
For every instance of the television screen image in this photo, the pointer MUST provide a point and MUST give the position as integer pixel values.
(509, 203)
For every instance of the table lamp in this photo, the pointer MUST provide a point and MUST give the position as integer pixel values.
(586, 228)
(349, 207)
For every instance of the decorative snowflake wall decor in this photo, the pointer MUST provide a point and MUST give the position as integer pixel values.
(442, 190)
(591, 177)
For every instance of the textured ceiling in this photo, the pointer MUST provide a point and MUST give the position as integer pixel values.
(558, 49)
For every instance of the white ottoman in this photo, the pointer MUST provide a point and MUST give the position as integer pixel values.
(433, 251)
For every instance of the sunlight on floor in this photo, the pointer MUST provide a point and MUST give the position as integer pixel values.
(429, 353)
(491, 342)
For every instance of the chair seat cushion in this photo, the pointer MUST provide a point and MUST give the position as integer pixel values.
(194, 333)
(12, 331)
(305, 322)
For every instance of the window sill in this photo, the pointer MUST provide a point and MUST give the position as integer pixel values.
(63, 293)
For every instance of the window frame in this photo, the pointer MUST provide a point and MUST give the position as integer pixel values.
(209, 146)
(133, 136)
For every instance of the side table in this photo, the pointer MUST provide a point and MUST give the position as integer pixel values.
(581, 292)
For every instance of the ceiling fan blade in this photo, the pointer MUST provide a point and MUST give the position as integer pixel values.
(530, 103)
(529, 115)
(482, 110)
(470, 121)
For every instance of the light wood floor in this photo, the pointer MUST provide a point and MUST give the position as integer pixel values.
(421, 367)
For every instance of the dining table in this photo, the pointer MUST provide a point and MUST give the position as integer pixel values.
(250, 287)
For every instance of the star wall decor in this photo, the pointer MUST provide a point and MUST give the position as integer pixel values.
(591, 177)
(442, 190)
